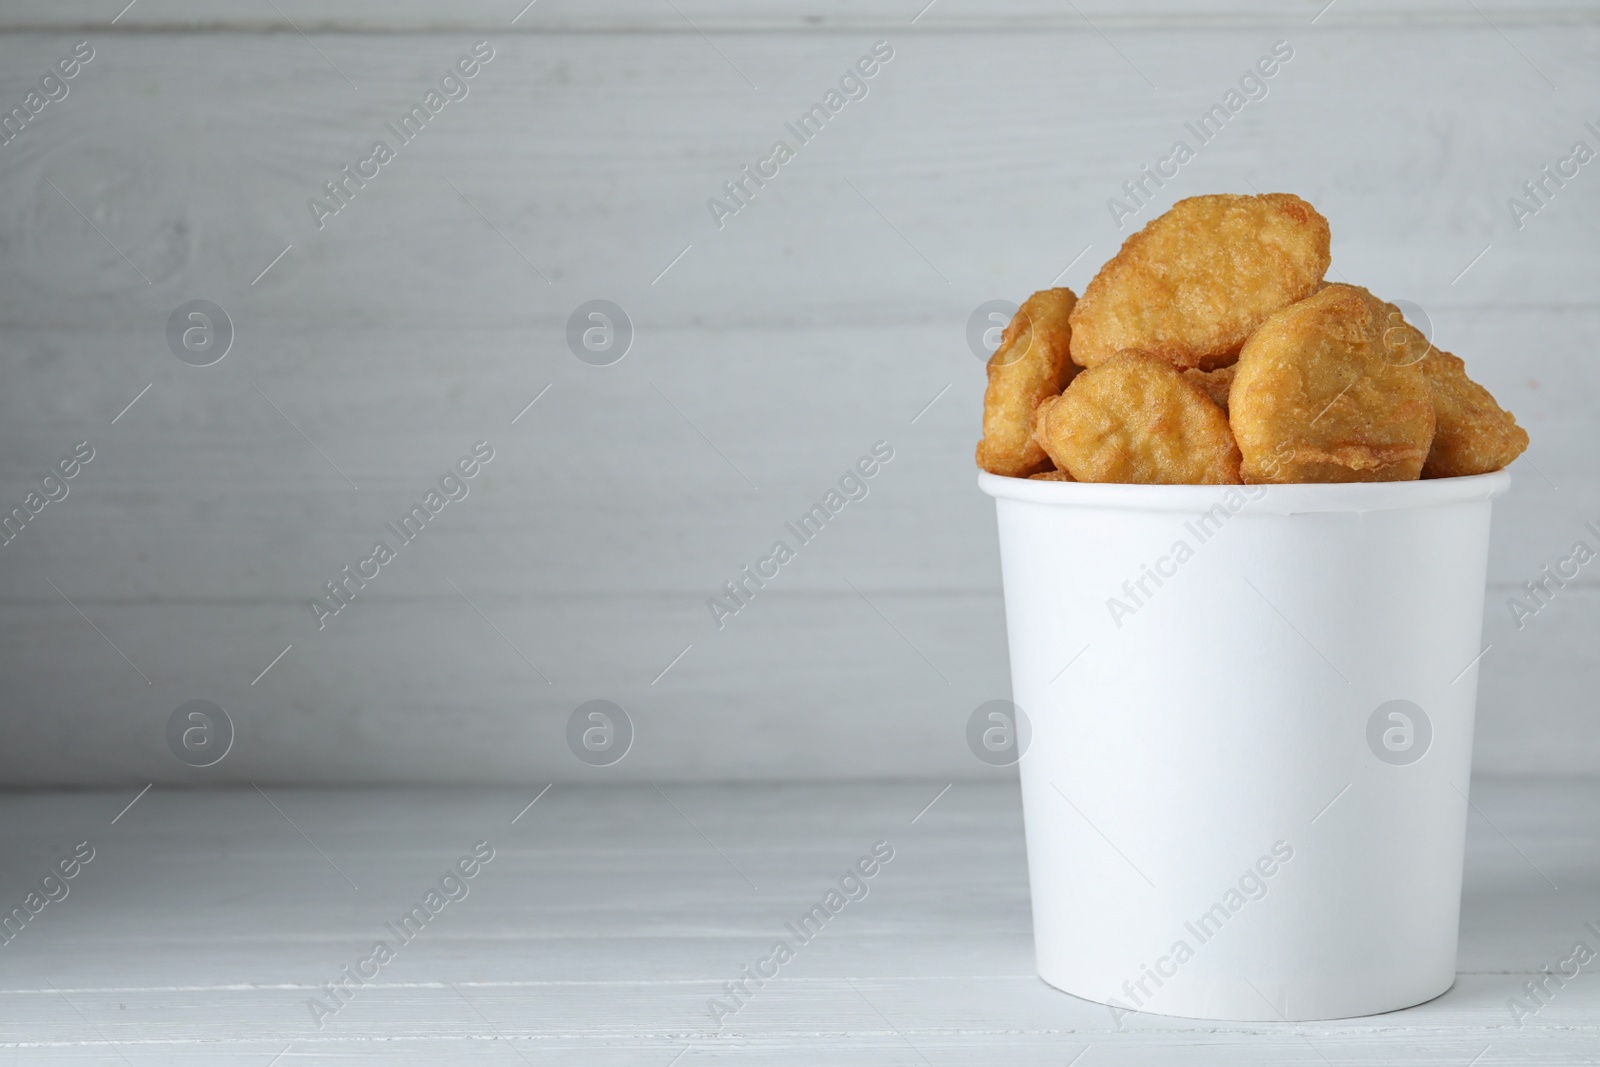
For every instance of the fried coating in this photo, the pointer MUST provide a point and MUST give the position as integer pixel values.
(1216, 383)
(1196, 282)
(1030, 365)
(1051, 476)
(1326, 391)
(1474, 434)
(1137, 419)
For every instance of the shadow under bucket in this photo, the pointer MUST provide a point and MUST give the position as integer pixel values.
(1251, 713)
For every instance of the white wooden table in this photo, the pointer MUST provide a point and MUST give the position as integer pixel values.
(608, 918)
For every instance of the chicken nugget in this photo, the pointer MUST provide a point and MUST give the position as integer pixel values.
(1051, 476)
(1137, 419)
(1192, 285)
(1031, 365)
(1216, 383)
(1326, 391)
(1474, 434)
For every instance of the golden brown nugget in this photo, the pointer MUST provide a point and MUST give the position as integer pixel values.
(1192, 285)
(1051, 476)
(1323, 393)
(1137, 419)
(1031, 365)
(1216, 383)
(1473, 433)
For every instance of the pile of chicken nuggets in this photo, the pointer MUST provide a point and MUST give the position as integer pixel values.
(1210, 351)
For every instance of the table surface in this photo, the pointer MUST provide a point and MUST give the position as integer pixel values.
(207, 923)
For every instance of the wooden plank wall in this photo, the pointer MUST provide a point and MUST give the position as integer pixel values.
(769, 354)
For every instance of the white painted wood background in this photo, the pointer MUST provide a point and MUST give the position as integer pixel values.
(606, 921)
(824, 317)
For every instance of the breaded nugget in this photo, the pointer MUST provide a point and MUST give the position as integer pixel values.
(1051, 476)
(1192, 285)
(1323, 393)
(1031, 365)
(1216, 383)
(1137, 419)
(1474, 434)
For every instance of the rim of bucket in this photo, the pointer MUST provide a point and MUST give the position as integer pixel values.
(1271, 499)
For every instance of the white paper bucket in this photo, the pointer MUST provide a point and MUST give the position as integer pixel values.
(1245, 789)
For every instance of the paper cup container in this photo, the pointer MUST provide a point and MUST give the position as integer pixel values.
(1251, 713)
